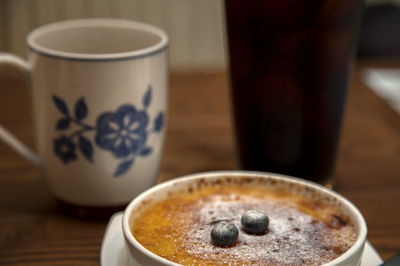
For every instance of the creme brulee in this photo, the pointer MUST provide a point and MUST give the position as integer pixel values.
(301, 231)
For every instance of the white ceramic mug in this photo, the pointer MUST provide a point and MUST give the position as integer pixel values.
(99, 89)
(139, 255)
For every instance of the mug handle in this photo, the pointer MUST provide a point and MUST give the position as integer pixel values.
(19, 68)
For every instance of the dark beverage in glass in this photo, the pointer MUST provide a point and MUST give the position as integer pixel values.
(290, 62)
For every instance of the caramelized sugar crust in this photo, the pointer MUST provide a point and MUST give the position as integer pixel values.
(302, 231)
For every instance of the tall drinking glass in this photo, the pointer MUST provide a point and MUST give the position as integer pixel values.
(290, 62)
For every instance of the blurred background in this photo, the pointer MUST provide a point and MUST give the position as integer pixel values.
(195, 27)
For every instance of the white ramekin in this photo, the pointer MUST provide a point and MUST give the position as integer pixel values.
(138, 255)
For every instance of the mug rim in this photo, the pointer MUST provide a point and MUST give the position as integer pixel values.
(158, 47)
(360, 220)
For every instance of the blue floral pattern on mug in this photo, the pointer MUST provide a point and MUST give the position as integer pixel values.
(124, 132)
(65, 149)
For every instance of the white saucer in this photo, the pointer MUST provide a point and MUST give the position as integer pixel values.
(113, 251)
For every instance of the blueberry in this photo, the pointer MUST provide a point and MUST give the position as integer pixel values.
(255, 222)
(224, 234)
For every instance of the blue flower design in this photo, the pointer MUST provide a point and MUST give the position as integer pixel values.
(65, 149)
(123, 132)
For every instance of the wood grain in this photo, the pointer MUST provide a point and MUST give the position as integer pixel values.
(34, 232)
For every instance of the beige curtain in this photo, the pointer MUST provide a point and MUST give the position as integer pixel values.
(194, 26)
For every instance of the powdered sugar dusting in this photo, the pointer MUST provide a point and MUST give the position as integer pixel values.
(293, 237)
(301, 231)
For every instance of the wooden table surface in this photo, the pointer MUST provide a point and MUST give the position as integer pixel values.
(33, 231)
